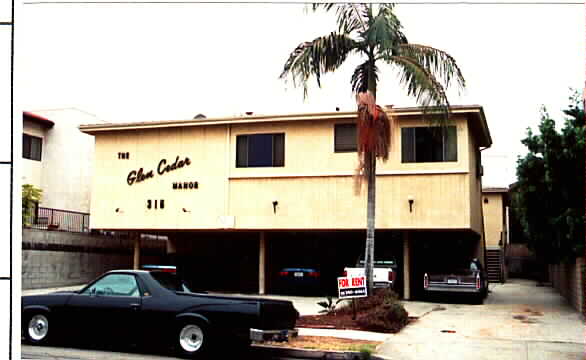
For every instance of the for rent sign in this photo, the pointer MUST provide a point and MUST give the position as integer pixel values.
(351, 287)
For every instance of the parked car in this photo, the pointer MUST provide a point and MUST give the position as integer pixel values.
(154, 307)
(384, 272)
(472, 281)
(299, 279)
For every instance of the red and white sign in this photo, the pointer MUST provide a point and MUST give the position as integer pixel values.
(352, 287)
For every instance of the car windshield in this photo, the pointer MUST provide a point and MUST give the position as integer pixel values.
(170, 281)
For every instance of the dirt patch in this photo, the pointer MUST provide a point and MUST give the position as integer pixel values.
(533, 312)
(326, 343)
(525, 320)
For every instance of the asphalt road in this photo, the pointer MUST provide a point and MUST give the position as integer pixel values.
(60, 353)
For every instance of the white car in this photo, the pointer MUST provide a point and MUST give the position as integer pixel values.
(384, 271)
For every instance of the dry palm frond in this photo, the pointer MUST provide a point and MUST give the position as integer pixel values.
(373, 131)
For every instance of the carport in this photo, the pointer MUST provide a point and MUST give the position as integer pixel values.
(250, 261)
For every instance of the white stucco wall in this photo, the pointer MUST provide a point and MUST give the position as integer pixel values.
(67, 162)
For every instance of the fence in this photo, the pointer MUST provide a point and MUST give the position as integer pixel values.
(570, 281)
(55, 219)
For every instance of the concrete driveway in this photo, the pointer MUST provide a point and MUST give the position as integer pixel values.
(518, 321)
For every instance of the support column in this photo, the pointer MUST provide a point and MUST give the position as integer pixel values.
(406, 267)
(136, 261)
(262, 255)
(172, 250)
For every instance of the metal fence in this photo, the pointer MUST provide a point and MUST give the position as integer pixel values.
(55, 219)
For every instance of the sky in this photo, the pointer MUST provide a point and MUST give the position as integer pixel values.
(140, 62)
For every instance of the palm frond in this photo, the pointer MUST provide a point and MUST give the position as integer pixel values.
(373, 132)
(422, 85)
(350, 17)
(385, 31)
(436, 61)
(362, 73)
(314, 58)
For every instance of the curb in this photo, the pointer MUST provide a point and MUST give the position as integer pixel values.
(277, 352)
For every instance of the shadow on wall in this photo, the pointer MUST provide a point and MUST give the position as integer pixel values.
(52, 259)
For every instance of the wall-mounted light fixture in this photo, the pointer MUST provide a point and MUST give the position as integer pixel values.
(119, 211)
(275, 203)
(185, 210)
(411, 200)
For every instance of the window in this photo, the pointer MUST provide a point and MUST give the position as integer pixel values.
(429, 144)
(345, 137)
(114, 285)
(31, 147)
(260, 150)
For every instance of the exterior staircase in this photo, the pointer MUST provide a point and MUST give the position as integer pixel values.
(494, 259)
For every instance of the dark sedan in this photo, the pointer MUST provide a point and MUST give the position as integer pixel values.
(154, 307)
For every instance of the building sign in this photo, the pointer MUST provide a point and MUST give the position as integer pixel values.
(185, 185)
(140, 175)
(352, 287)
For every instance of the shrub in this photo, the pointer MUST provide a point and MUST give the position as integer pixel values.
(382, 311)
(391, 317)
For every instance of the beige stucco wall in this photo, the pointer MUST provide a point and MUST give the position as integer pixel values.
(314, 189)
(494, 218)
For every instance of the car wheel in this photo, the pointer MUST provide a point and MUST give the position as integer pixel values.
(192, 339)
(36, 331)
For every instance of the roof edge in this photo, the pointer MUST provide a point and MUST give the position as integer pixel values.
(96, 128)
(38, 119)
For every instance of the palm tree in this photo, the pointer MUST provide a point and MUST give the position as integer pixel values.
(374, 34)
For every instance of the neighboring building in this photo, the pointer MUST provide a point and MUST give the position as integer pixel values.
(240, 198)
(57, 158)
(496, 224)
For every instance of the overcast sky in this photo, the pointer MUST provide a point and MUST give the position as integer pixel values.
(141, 62)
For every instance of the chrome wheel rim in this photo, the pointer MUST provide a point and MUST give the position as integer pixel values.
(191, 338)
(38, 327)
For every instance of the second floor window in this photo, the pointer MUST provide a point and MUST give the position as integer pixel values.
(345, 137)
(260, 150)
(32, 147)
(429, 144)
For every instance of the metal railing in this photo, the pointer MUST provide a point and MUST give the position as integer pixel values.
(56, 219)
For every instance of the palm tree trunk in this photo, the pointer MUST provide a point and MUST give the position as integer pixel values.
(370, 217)
(370, 160)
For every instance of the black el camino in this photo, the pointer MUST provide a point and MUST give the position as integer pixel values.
(154, 307)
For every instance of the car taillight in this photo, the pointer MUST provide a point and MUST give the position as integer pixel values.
(313, 274)
(478, 281)
(392, 276)
(425, 281)
(283, 273)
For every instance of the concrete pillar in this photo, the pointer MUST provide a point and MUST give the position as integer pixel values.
(262, 255)
(136, 261)
(406, 267)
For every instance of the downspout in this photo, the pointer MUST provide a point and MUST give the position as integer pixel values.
(227, 180)
(482, 214)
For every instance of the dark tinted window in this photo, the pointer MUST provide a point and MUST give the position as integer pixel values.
(32, 147)
(345, 137)
(170, 281)
(260, 150)
(429, 144)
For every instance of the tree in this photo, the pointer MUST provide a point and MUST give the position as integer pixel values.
(30, 196)
(549, 193)
(374, 34)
